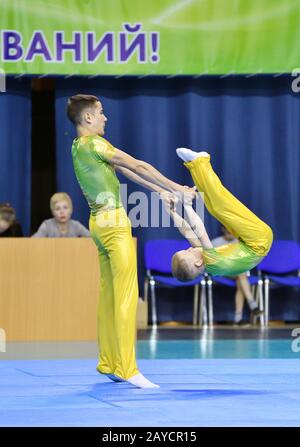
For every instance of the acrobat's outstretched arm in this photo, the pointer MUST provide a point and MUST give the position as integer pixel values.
(195, 235)
(147, 172)
(196, 223)
(139, 180)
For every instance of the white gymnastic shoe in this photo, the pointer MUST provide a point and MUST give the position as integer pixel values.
(188, 155)
(140, 381)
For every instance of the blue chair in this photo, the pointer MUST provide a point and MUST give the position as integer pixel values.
(282, 259)
(255, 281)
(158, 261)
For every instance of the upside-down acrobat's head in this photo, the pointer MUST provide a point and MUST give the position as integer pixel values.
(188, 264)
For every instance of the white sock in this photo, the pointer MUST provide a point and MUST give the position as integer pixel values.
(189, 155)
(141, 382)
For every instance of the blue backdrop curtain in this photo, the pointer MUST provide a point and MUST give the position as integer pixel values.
(249, 125)
(15, 148)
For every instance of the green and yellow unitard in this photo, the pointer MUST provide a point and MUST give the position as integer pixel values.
(254, 236)
(110, 229)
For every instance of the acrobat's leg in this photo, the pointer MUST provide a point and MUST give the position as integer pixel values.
(239, 305)
(105, 310)
(118, 242)
(227, 209)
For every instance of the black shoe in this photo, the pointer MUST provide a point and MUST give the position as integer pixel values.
(242, 323)
(256, 312)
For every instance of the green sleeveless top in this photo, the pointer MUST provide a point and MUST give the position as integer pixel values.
(230, 259)
(96, 177)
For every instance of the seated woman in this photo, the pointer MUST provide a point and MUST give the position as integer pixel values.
(254, 236)
(61, 225)
(9, 226)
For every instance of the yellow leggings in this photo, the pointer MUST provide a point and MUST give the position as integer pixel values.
(111, 232)
(228, 210)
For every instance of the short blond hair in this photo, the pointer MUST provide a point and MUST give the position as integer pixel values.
(181, 268)
(58, 197)
(7, 213)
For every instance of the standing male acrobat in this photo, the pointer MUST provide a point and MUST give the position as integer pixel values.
(95, 161)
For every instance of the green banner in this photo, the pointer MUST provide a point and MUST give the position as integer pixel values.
(142, 37)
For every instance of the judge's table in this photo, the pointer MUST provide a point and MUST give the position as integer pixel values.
(49, 289)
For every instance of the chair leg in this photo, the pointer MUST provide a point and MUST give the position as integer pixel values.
(196, 302)
(258, 294)
(146, 289)
(202, 310)
(153, 303)
(210, 304)
(261, 302)
(267, 297)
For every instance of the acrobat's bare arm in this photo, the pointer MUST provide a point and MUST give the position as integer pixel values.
(139, 180)
(194, 230)
(182, 225)
(197, 226)
(147, 172)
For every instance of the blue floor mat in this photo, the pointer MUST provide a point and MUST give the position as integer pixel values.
(193, 392)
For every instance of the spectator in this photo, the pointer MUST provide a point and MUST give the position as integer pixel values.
(243, 288)
(61, 225)
(9, 226)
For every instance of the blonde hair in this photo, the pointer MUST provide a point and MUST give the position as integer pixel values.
(181, 268)
(7, 213)
(58, 197)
